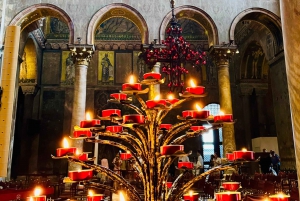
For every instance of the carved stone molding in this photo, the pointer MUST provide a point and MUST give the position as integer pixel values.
(29, 88)
(221, 54)
(82, 53)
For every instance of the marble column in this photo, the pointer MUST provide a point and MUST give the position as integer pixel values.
(221, 57)
(81, 58)
(290, 11)
(154, 90)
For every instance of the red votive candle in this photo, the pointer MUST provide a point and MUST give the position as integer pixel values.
(119, 96)
(165, 126)
(109, 112)
(155, 103)
(81, 175)
(82, 133)
(65, 151)
(114, 129)
(82, 157)
(170, 149)
(188, 165)
(172, 101)
(129, 86)
(231, 186)
(125, 156)
(169, 184)
(197, 128)
(228, 196)
(247, 155)
(223, 118)
(152, 75)
(134, 118)
(95, 197)
(36, 198)
(89, 123)
(279, 197)
(191, 197)
(198, 90)
(230, 156)
(197, 114)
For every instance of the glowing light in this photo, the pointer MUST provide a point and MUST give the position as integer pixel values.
(30, 199)
(244, 149)
(191, 193)
(122, 198)
(157, 97)
(77, 152)
(88, 116)
(192, 83)
(65, 143)
(131, 79)
(37, 191)
(91, 193)
(170, 97)
(198, 107)
(280, 195)
(221, 113)
(128, 152)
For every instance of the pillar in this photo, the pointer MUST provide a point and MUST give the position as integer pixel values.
(9, 98)
(290, 14)
(81, 55)
(221, 56)
(154, 90)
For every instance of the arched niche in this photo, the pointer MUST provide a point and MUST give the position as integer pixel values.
(39, 11)
(28, 67)
(198, 16)
(117, 10)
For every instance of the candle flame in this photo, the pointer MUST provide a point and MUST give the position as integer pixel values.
(170, 97)
(157, 97)
(191, 193)
(30, 199)
(128, 152)
(198, 107)
(244, 149)
(131, 79)
(65, 143)
(77, 152)
(88, 116)
(221, 113)
(91, 193)
(122, 198)
(280, 195)
(192, 83)
(37, 191)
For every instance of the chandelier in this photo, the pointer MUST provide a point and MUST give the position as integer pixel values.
(174, 53)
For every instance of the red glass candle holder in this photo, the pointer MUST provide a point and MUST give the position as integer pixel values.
(81, 175)
(196, 114)
(125, 156)
(110, 112)
(228, 196)
(82, 157)
(169, 184)
(82, 133)
(152, 75)
(230, 156)
(170, 149)
(155, 103)
(172, 101)
(129, 86)
(198, 90)
(65, 151)
(188, 165)
(279, 197)
(114, 129)
(89, 123)
(95, 197)
(36, 198)
(223, 118)
(119, 96)
(165, 126)
(134, 118)
(197, 128)
(191, 197)
(247, 155)
(231, 186)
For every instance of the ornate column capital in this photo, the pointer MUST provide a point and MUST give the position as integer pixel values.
(82, 53)
(221, 54)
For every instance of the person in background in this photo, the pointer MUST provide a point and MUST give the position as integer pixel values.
(117, 162)
(217, 160)
(211, 161)
(183, 159)
(199, 164)
(275, 161)
(265, 162)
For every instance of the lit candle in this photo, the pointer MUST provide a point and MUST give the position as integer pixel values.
(119, 96)
(169, 184)
(66, 150)
(191, 196)
(133, 118)
(279, 197)
(156, 102)
(244, 154)
(223, 117)
(114, 129)
(121, 196)
(197, 128)
(171, 99)
(152, 75)
(94, 197)
(80, 175)
(165, 126)
(81, 156)
(230, 156)
(193, 89)
(231, 186)
(89, 122)
(228, 196)
(196, 114)
(125, 156)
(170, 149)
(37, 195)
(188, 165)
(81, 132)
(131, 85)
(111, 112)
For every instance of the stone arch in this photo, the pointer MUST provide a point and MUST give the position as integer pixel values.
(197, 15)
(263, 16)
(117, 10)
(38, 11)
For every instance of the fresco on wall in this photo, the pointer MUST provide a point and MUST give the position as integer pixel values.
(118, 28)
(67, 69)
(28, 68)
(56, 29)
(106, 74)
